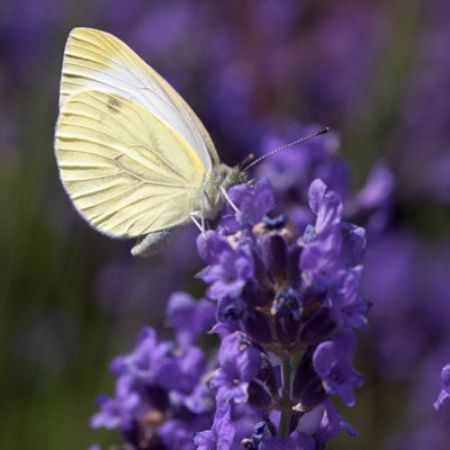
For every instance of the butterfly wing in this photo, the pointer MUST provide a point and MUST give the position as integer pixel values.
(126, 171)
(94, 59)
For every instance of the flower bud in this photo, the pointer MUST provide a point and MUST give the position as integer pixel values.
(274, 252)
(267, 375)
(307, 386)
(292, 265)
(287, 312)
(255, 324)
(255, 294)
(258, 395)
(319, 326)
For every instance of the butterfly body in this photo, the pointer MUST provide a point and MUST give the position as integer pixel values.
(211, 198)
(133, 157)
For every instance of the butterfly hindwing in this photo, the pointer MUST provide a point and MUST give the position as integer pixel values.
(126, 171)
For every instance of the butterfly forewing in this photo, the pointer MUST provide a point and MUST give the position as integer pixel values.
(126, 171)
(97, 60)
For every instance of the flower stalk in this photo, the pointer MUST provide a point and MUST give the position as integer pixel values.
(286, 407)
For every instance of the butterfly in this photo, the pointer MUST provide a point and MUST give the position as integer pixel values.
(133, 157)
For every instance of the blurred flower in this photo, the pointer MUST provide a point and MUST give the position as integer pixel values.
(422, 135)
(189, 317)
(25, 29)
(338, 59)
(160, 394)
(445, 392)
(116, 412)
(429, 436)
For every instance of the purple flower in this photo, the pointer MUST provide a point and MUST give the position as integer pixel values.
(222, 433)
(331, 424)
(182, 371)
(118, 412)
(351, 306)
(332, 362)
(178, 434)
(190, 318)
(199, 401)
(228, 276)
(210, 245)
(353, 244)
(253, 201)
(154, 362)
(321, 256)
(239, 364)
(445, 392)
(325, 204)
(324, 244)
(155, 382)
(144, 362)
(332, 251)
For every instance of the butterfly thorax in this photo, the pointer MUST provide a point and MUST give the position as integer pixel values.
(211, 197)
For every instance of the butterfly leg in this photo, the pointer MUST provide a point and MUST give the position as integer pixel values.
(200, 225)
(202, 212)
(229, 201)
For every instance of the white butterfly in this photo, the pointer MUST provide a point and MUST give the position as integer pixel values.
(134, 158)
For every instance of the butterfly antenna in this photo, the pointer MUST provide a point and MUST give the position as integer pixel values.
(285, 147)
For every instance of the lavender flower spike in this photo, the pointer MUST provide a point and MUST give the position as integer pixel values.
(285, 302)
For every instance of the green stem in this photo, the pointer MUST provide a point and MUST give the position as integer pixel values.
(285, 417)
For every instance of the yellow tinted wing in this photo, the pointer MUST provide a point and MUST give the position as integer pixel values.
(94, 59)
(126, 171)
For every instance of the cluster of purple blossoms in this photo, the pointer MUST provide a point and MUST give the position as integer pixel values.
(284, 304)
(161, 397)
(287, 304)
